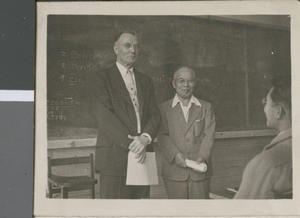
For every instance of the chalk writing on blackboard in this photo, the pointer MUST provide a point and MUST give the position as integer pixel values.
(57, 108)
(77, 67)
(77, 55)
(168, 79)
(74, 79)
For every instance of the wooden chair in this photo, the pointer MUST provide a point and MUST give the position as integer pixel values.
(64, 184)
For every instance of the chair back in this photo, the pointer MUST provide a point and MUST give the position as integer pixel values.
(54, 162)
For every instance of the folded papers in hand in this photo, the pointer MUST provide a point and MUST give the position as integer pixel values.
(199, 167)
(141, 173)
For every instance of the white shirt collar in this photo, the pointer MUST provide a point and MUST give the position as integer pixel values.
(123, 70)
(193, 100)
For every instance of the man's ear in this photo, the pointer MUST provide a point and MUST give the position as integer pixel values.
(115, 48)
(280, 111)
(173, 83)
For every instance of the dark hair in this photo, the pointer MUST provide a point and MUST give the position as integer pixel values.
(117, 37)
(281, 93)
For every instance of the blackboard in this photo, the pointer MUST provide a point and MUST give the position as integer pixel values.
(233, 62)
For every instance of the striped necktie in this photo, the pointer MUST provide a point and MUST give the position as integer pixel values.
(133, 95)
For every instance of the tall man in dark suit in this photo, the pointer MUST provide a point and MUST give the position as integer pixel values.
(187, 132)
(127, 116)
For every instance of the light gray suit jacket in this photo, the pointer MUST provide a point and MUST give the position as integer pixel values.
(193, 138)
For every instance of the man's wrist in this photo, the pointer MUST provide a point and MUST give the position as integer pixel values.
(147, 137)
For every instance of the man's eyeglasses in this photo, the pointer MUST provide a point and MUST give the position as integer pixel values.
(264, 101)
(182, 81)
(129, 45)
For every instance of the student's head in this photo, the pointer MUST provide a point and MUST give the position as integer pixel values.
(277, 103)
(184, 80)
(126, 47)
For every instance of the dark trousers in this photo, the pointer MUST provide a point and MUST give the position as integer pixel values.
(114, 187)
(188, 189)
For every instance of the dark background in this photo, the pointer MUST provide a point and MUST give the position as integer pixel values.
(17, 51)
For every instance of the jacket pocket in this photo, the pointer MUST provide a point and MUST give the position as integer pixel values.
(199, 128)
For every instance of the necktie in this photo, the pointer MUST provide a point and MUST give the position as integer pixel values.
(133, 95)
(130, 83)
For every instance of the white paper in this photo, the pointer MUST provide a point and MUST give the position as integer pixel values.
(199, 167)
(142, 173)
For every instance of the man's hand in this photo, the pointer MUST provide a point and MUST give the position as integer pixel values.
(138, 146)
(180, 159)
(200, 160)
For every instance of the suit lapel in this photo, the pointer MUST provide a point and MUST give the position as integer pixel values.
(121, 90)
(140, 90)
(177, 116)
(194, 113)
(119, 83)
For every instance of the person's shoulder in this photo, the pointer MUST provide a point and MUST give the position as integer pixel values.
(103, 72)
(143, 76)
(259, 165)
(279, 154)
(204, 103)
(166, 103)
(271, 158)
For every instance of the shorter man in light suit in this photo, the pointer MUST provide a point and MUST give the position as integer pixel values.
(187, 132)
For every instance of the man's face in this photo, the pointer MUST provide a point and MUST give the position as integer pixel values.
(184, 82)
(271, 110)
(126, 49)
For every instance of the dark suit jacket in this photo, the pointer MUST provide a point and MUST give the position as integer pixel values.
(116, 118)
(193, 138)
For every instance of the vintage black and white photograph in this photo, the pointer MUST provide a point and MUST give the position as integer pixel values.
(148, 106)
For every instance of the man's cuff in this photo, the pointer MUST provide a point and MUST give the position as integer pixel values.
(148, 137)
